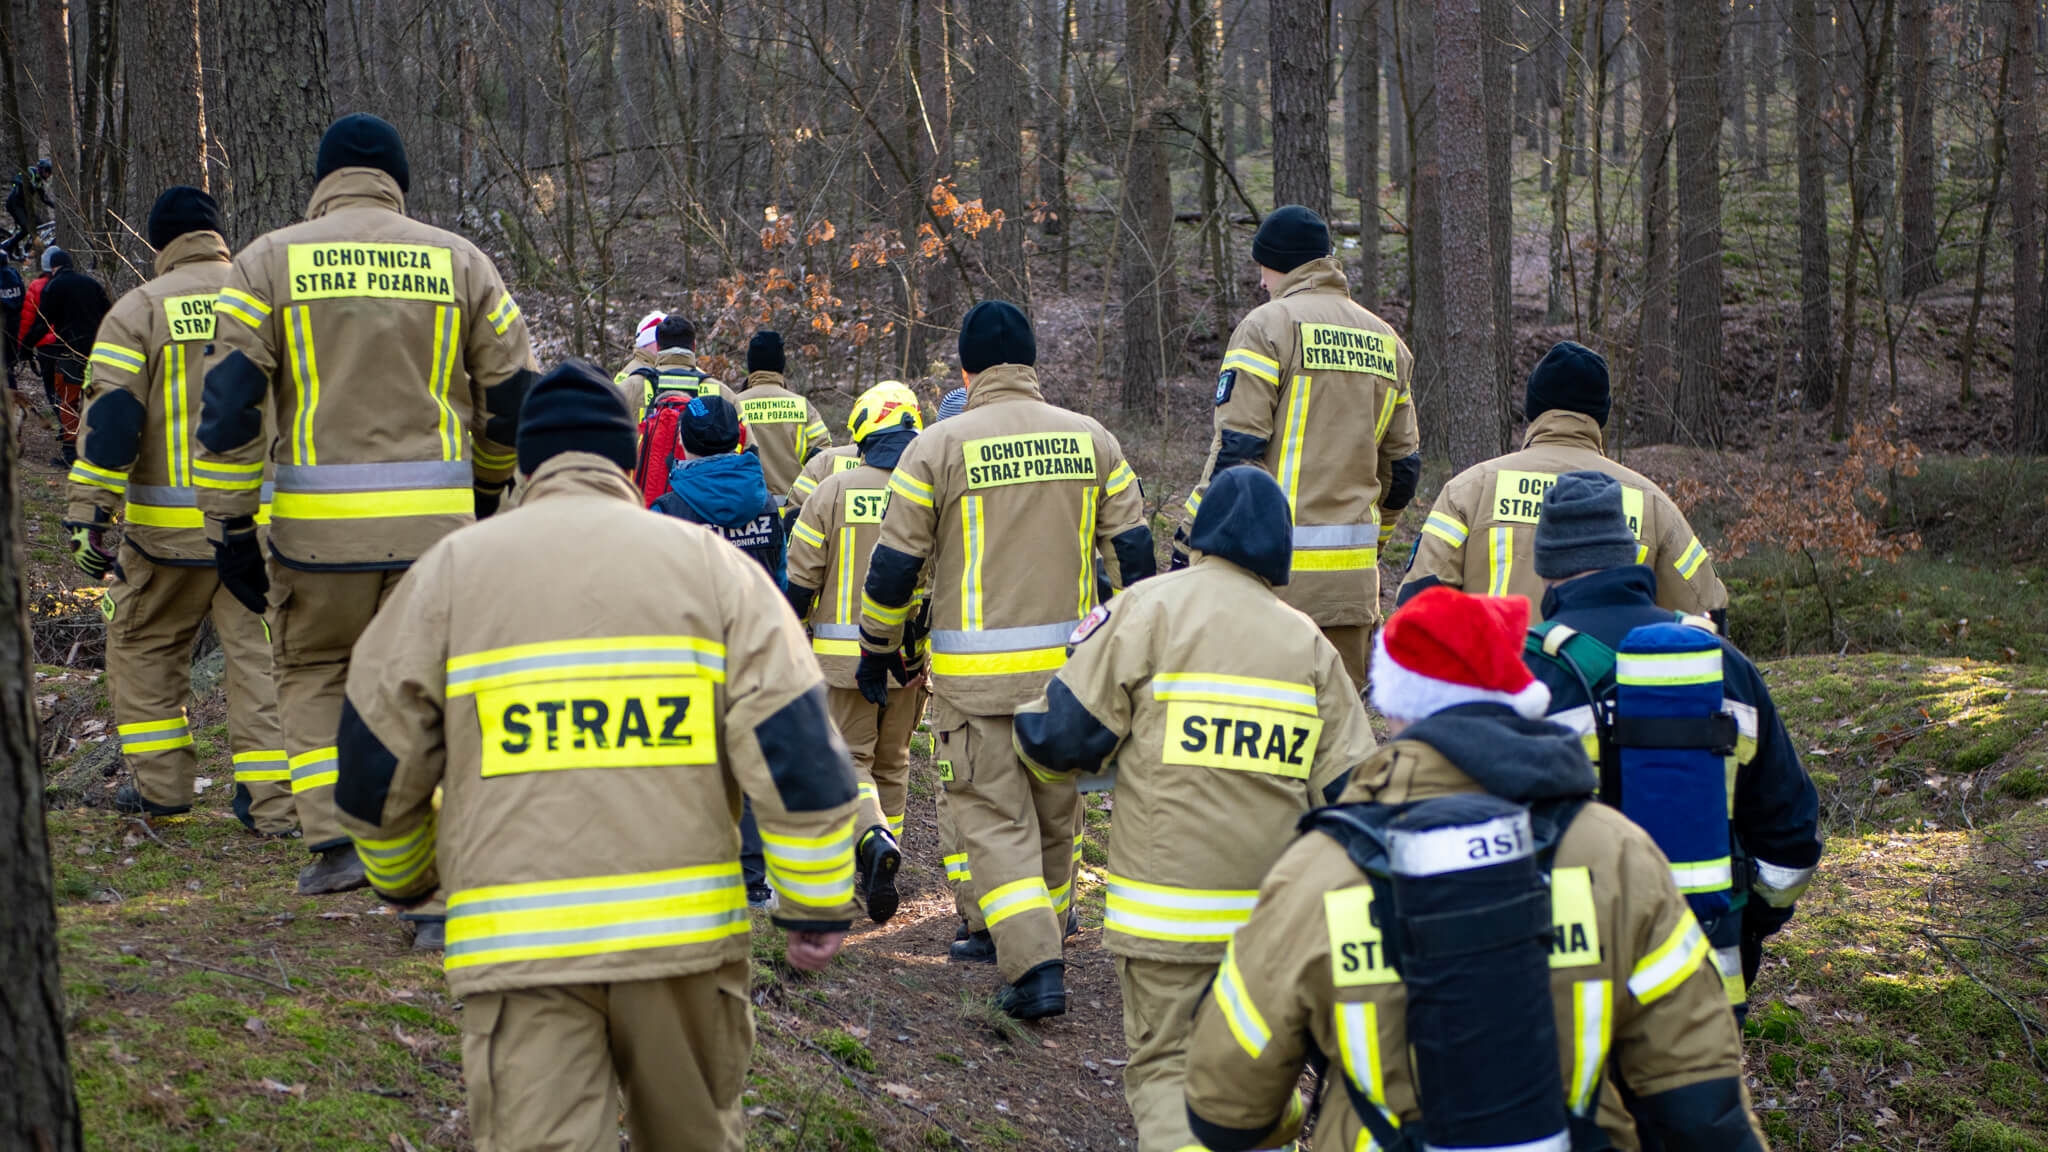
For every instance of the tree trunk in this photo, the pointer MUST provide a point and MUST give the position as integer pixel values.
(2029, 374)
(1146, 215)
(16, 133)
(1816, 323)
(1657, 405)
(999, 90)
(1865, 188)
(1298, 61)
(60, 118)
(1466, 259)
(1497, 29)
(1917, 271)
(1426, 320)
(161, 45)
(277, 107)
(1697, 91)
(1400, 96)
(1559, 301)
(38, 1107)
(1985, 225)
(1765, 62)
(1362, 138)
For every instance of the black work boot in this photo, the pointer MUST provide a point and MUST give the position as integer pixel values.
(336, 869)
(429, 933)
(130, 800)
(972, 947)
(1039, 993)
(875, 863)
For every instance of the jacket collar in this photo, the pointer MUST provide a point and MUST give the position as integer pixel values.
(1630, 586)
(764, 380)
(355, 188)
(1002, 383)
(1326, 275)
(577, 474)
(674, 358)
(1209, 561)
(192, 248)
(1570, 429)
(1476, 748)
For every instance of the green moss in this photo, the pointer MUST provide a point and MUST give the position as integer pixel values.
(1982, 1134)
(2025, 783)
(1773, 1021)
(847, 1049)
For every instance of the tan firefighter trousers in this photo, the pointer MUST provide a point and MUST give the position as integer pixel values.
(540, 1064)
(879, 739)
(1353, 643)
(156, 610)
(1160, 999)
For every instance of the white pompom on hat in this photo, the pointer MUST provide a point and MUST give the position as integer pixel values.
(643, 336)
(1445, 648)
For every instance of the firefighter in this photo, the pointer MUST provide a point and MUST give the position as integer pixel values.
(1227, 716)
(591, 750)
(673, 368)
(1483, 956)
(1479, 534)
(137, 461)
(1314, 390)
(971, 942)
(782, 426)
(392, 361)
(1008, 503)
(829, 547)
(644, 335)
(1586, 554)
(838, 458)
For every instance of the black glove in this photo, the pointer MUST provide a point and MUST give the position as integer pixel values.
(872, 677)
(239, 558)
(89, 549)
(1177, 557)
(487, 500)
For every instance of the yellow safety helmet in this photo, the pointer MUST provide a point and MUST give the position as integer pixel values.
(883, 407)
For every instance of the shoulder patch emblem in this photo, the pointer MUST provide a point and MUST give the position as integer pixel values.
(1224, 384)
(1095, 619)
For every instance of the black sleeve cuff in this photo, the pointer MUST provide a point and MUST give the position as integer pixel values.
(1218, 1138)
(1705, 1117)
(1135, 559)
(1066, 737)
(1407, 474)
(1238, 448)
(892, 576)
(1414, 588)
(811, 925)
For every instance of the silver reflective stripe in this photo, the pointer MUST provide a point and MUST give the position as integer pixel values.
(163, 495)
(1187, 899)
(586, 897)
(403, 476)
(629, 930)
(1562, 1142)
(592, 656)
(1179, 684)
(1780, 886)
(835, 631)
(1336, 535)
(1460, 847)
(1004, 639)
(1728, 960)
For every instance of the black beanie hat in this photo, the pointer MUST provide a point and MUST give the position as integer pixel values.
(996, 332)
(1290, 237)
(181, 209)
(675, 332)
(360, 140)
(1244, 519)
(710, 426)
(1572, 378)
(764, 352)
(574, 409)
(1583, 527)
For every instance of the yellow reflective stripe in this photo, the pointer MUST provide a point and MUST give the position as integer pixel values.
(1062, 899)
(998, 663)
(155, 735)
(895, 824)
(807, 534)
(972, 536)
(1729, 962)
(1120, 478)
(1592, 1025)
(1696, 876)
(1086, 601)
(107, 352)
(447, 327)
(1388, 403)
(265, 765)
(177, 444)
(848, 545)
(490, 460)
(84, 472)
(315, 769)
(594, 916)
(298, 329)
(1642, 553)
(1335, 559)
(504, 314)
(157, 516)
(835, 647)
(227, 477)
(957, 869)
(242, 306)
(804, 486)
(910, 488)
(1358, 1045)
(1017, 896)
(372, 505)
(1689, 561)
(814, 871)
(396, 864)
(1668, 668)
(610, 657)
(1500, 559)
(1238, 1010)
(882, 613)
(1244, 359)
(1186, 915)
(1291, 438)
(1663, 970)
(1447, 528)
(1193, 504)
(1223, 688)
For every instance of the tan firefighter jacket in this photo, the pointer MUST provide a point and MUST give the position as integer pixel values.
(1481, 533)
(592, 747)
(829, 547)
(781, 426)
(1632, 979)
(1005, 505)
(1314, 389)
(632, 390)
(1227, 716)
(669, 370)
(394, 362)
(838, 458)
(137, 457)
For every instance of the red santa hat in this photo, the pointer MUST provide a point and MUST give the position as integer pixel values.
(1446, 648)
(643, 336)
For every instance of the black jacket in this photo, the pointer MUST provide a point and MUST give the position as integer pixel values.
(72, 305)
(1777, 811)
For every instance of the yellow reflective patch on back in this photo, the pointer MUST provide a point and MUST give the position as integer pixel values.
(648, 722)
(945, 768)
(774, 410)
(1335, 348)
(1001, 460)
(1357, 954)
(866, 505)
(1574, 919)
(845, 463)
(190, 317)
(337, 269)
(1241, 738)
(1518, 499)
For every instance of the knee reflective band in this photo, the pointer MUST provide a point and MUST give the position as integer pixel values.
(315, 769)
(1674, 741)
(373, 491)
(811, 872)
(267, 766)
(599, 915)
(957, 871)
(1001, 651)
(1475, 922)
(1016, 896)
(1178, 915)
(1336, 547)
(154, 736)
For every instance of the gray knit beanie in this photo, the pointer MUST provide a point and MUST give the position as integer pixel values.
(1583, 527)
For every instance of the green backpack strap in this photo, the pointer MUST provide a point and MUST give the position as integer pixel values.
(1572, 649)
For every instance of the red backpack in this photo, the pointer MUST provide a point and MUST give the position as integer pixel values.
(660, 446)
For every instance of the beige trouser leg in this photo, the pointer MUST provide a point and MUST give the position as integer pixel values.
(1019, 833)
(880, 742)
(315, 618)
(263, 777)
(1353, 642)
(856, 720)
(1160, 999)
(959, 873)
(539, 1064)
(157, 610)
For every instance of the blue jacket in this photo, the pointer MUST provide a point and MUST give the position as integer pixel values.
(1777, 811)
(729, 495)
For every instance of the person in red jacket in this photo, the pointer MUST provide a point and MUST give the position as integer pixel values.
(61, 320)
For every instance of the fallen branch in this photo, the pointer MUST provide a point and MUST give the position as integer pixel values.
(854, 1076)
(2027, 1023)
(263, 980)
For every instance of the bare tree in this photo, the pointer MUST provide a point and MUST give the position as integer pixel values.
(1558, 302)
(2022, 135)
(1147, 215)
(1816, 312)
(1658, 404)
(1467, 261)
(1362, 137)
(1496, 31)
(999, 106)
(1299, 63)
(1697, 34)
(60, 117)
(277, 107)
(1865, 185)
(1426, 319)
(1916, 177)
